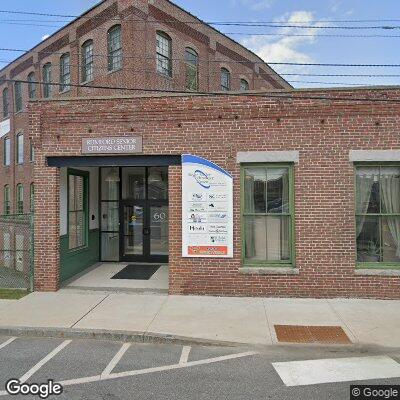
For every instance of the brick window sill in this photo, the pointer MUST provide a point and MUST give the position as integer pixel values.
(377, 272)
(269, 271)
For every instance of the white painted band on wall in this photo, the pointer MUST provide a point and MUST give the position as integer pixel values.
(374, 155)
(267, 156)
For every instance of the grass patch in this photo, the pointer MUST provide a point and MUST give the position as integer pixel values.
(12, 294)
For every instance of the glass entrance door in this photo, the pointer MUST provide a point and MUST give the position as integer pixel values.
(144, 214)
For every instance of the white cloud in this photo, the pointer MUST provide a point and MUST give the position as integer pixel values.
(44, 37)
(336, 4)
(254, 5)
(286, 48)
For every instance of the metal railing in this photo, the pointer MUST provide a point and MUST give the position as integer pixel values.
(16, 251)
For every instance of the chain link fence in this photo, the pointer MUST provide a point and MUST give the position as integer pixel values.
(16, 251)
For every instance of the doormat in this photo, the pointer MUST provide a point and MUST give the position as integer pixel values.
(141, 272)
(311, 334)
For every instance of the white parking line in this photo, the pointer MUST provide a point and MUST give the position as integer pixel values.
(42, 362)
(99, 378)
(184, 355)
(112, 364)
(7, 342)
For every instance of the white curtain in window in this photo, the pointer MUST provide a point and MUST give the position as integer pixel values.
(249, 228)
(364, 184)
(390, 189)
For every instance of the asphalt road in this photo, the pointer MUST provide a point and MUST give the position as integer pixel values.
(96, 370)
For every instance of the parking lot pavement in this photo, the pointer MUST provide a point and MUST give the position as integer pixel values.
(94, 369)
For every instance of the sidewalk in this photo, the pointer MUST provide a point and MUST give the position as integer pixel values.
(239, 320)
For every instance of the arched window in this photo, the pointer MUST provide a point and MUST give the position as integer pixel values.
(225, 79)
(31, 86)
(6, 108)
(19, 199)
(7, 202)
(20, 148)
(164, 54)
(47, 89)
(244, 85)
(18, 96)
(65, 72)
(192, 69)
(87, 61)
(114, 48)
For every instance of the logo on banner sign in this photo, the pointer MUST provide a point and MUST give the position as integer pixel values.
(207, 209)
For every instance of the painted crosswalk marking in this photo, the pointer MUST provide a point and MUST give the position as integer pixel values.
(312, 372)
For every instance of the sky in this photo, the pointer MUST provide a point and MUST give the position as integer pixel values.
(24, 31)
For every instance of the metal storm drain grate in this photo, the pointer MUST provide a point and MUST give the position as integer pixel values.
(311, 334)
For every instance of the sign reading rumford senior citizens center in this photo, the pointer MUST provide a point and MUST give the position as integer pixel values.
(207, 209)
(112, 145)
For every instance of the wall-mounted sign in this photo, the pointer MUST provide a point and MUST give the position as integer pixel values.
(112, 145)
(207, 209)
(4, 127)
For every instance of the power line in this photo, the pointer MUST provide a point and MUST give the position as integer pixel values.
(236, 33)
(284, 95)
(225, 61)
(257, 25)
(198, 21)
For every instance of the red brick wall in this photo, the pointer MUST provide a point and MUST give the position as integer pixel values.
(139, 23)
(322, 130)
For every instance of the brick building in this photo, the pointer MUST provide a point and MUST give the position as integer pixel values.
(316, 190)
(146, 44)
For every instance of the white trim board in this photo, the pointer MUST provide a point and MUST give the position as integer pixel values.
(374, 155)
(267, 156)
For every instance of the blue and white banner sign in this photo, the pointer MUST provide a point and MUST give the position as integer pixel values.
(207, 209)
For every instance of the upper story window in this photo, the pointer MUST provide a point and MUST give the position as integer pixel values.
(225, 79)
(192, 69)
(19, 199)
(7, 151)
(31, 151)
(7, 201)
(31, 86)
(18, 96)
(87, 61)
(47, 88)
(114, 42)
(6, 108)
(20, 148)
(164, 54)
(378, 215)
(244, 85)
(65, 72)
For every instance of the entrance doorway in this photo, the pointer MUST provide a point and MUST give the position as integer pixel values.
(134, 214)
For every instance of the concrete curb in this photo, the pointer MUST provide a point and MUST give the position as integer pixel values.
(160, 338)
(123, 336)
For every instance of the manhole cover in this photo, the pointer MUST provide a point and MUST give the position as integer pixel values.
(311, 334)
